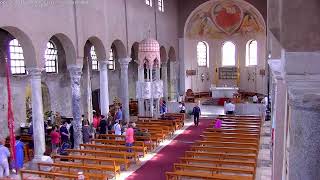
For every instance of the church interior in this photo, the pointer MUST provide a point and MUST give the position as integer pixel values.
(160, 89)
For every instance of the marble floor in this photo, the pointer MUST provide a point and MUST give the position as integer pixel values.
(264, 157)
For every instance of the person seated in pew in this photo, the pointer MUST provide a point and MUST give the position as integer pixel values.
(229, 107)
(4, 163)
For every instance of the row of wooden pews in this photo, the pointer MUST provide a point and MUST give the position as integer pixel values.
(106, 156)
(229, 152)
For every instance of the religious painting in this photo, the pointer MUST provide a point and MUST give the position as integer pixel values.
(218, 19)
(227, 16)
(191, 72)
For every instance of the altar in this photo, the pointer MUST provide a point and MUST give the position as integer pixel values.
(223, 92)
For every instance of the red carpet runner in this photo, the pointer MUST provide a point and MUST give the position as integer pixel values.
(155, 168)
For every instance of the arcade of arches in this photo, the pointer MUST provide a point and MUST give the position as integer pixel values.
(76, 58)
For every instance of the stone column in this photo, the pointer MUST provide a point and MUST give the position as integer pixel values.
(37, 114)
(104, 88)
(304, 132)
(140, 100)
(124, 62)
(165, 81)
(279, 116)
(75, 75)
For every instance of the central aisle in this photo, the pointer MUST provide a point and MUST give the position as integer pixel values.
(163, 161)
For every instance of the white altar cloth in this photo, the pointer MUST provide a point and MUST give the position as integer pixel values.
(223, 92)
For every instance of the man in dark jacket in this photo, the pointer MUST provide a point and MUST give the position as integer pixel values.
(196, 114)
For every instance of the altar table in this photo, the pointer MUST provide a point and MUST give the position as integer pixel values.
(223, 92)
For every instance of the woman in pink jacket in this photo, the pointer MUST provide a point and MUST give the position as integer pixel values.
(129, 137)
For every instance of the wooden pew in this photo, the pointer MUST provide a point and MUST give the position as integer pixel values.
(221, 155)
(52, 175)
(212, 169)
(231, 134)
(140, 141)
(201, 175)
(219, 162)
(137, 149)
(226, 144)
(84, 160)
(235, 130)
(61, 174)
(85, 168)
(224, 149)
(232, 139)
(118, 157)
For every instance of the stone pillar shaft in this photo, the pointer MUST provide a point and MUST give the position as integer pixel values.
(165, 81)
(141, 101)
(124, 62)
(279, 128)
(104, 88)
(37, 114)
(75, 75)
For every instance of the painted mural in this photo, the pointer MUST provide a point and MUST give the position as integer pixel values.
(220, 18)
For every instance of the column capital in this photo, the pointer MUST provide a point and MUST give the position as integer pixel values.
(164, 63)
(103, 64)
(75, 70)
(124, 61)
(35, 72)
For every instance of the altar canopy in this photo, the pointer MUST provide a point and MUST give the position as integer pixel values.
(150, 88)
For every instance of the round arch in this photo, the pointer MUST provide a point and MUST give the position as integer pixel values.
(99, 47)
(120, 48)
(172, 54)
(26, 44)
(68, 47)
(163, 54)
(134, 51)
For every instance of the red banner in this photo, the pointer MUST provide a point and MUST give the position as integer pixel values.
(10, 117)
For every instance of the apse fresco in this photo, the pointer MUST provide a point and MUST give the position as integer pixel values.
(218, 19)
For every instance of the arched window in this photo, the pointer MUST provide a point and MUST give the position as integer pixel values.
(160, 5)
(202, 53)
(16, 58)
(228, 54)
(94, 59)
(149, 2)
(251, 53)
(111, 65)
(51, 57)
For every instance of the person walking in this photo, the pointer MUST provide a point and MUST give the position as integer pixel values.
(196, 114)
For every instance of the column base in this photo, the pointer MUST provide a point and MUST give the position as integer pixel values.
(34, 163)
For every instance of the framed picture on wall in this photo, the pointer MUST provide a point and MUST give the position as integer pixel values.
(228, 73)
